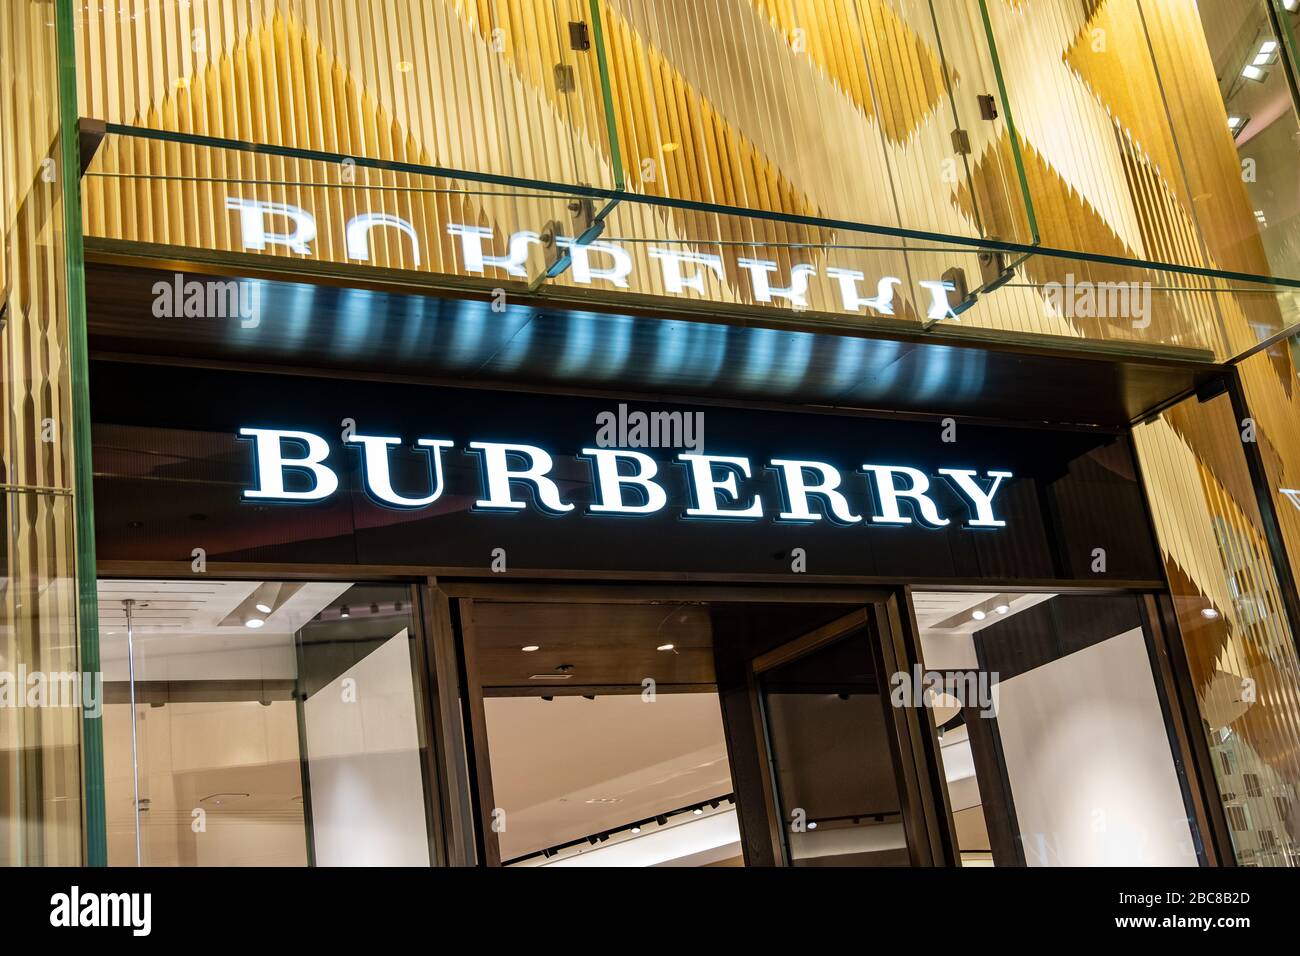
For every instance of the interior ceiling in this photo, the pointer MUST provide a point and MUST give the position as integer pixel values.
(191, 607)
(333, 329)
(603, 644)
(569, 767)
(199, 617)
(950, 612)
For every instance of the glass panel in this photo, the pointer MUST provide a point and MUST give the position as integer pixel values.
(491, 85)
(261, 724)
(882, 113)
(1052, 733)
(41, 806)
(1240, 647)
(828, 738)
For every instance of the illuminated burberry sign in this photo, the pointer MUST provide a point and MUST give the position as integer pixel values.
(627, 482)
(682, 270)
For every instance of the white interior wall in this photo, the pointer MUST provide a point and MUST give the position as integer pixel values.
(1089, 763)
(367, 791)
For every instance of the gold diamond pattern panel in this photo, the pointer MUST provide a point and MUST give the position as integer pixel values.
(869, 52)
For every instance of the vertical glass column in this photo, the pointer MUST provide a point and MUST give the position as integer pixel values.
(41, 806)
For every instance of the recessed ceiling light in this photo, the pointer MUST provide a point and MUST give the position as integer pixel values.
(697, 811)
(636, 829)
(812, 825)
(254, 622)
(264, 608)
(1236, 122)
(1252, 72)
(1002, 608)
(665, 647)
(344, 611)
(529, 648)
(1209, 612)
(978, 615)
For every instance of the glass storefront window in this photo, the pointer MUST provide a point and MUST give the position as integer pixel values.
(1052, 731)
(262, 723)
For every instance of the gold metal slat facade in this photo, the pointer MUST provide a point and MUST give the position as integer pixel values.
(1110, 139)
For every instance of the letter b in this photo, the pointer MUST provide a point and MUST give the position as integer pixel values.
(271, 465)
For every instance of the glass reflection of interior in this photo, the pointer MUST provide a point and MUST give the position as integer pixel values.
(274, 724)
(1248, 57)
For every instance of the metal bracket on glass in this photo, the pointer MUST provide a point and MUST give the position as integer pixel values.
(587, 224)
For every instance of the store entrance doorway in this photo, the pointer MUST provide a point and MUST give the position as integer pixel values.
(690, 726)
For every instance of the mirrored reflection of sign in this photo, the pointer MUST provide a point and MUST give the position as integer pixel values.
(265, 225)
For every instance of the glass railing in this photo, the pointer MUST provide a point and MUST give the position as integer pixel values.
(872, 112)
(151, 194)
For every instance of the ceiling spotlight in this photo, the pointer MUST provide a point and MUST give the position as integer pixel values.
(253, 622)
(1209, 613)
(812, 824)
(1002, 608)
(264, 608)
(661, 820)
(636, 829)
(697, 811)
(344, 611)
(664, 647)
(978, 615)
(529, 648)
(713, 804)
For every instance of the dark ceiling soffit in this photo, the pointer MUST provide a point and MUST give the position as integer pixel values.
(342, 329)
(154, 256)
